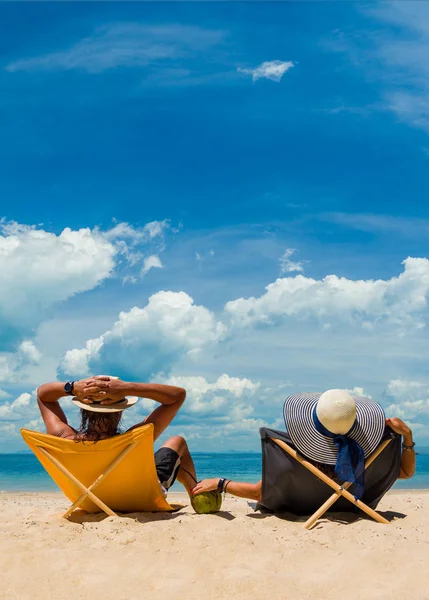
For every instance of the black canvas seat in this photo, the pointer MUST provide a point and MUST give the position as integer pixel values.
(288, 484)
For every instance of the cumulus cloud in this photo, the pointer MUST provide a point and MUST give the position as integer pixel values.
(204, 397)
(410, 399)
(147, 340)
(13, 364)
(272, 69)
(41, 269)
(289, 266)
(365, 302)
(17, 409)
(223, 413)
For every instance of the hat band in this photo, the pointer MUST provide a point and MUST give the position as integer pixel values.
(350, 465)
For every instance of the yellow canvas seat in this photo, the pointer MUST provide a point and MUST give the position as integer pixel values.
(115, 474)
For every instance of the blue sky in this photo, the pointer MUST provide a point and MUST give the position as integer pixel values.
(169, 161)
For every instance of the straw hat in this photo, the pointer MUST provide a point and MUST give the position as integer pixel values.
(337, 413)
(96, 405)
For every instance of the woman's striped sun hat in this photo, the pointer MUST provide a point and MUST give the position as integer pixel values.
(335, 413)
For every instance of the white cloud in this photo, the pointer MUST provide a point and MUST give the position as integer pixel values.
(41, 269)
(151, 262)
(138, 234)
(222, 413)
(410, 400)
(358, 391)
(273, 69)
(289, 266)
(128, 241)
(29, 352)
(8, 429)
(204, 397)
(365, 302)
(15, 410)
(35, 424)
(148, 340)
(131, 45)
(13, 364)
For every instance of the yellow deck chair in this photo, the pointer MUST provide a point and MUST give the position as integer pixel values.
(116, 474)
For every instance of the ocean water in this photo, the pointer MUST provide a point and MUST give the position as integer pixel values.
(23, 472)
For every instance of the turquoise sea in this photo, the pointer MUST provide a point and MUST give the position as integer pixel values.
(23, 472)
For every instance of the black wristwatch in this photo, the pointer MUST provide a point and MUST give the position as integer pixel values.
(68, 387)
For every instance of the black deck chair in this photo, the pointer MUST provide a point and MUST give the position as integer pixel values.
(291, 483)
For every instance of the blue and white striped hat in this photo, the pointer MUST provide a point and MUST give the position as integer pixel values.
(301, 413)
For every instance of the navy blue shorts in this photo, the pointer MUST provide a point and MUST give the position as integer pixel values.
(167, 463)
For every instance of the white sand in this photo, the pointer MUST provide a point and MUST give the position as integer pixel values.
(236, 554)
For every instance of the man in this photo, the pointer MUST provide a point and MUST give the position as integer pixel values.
(330, 429)
(102, 400)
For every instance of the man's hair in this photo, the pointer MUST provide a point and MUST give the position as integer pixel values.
(98, 425)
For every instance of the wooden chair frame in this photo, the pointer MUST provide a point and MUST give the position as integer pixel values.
(339, 489)
(88, 491)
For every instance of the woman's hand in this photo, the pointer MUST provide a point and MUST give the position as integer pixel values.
(80, 389)
(206, 485)
(398, 426)
(106, 389)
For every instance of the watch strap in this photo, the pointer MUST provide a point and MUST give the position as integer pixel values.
(68, 387)
(220, 484)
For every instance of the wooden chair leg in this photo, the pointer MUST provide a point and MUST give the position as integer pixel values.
(99, 479)
(88, 493)
(332, 499)
(339, 490)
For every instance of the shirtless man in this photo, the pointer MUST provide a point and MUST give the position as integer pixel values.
(98, 397)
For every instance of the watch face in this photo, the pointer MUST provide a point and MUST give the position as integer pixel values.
(68, 387)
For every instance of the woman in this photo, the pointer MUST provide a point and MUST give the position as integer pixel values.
(102, 400)
(335, 425)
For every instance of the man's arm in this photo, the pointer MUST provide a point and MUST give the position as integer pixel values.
(408, 457)
(170, 397)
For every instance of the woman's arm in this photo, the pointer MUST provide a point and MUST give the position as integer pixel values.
(53, 415)
(170, 397)
(242, 489)
(408, 457)
(113, 390)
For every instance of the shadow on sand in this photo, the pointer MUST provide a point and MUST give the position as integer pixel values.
(80, 516)
(346, 518)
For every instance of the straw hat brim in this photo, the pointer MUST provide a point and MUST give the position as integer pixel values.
(106, 408)
(367, 430)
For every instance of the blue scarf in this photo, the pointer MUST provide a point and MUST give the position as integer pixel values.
(350, 465)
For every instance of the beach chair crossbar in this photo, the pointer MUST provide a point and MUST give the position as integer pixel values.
(339, 489)
(88, 491)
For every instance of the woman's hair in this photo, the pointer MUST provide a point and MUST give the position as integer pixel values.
(95, 426)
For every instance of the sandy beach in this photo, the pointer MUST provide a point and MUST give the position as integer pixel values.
(237, 553)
